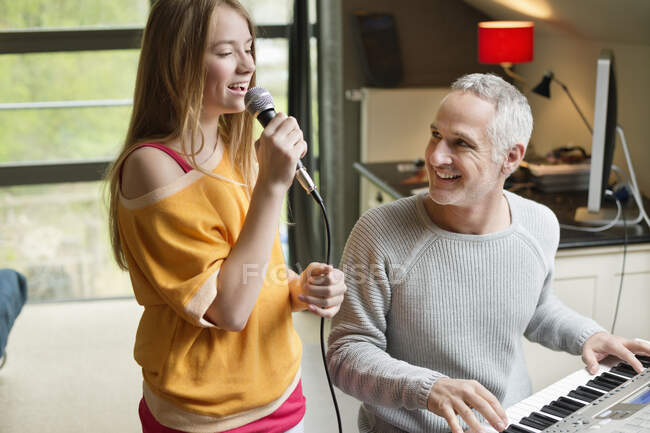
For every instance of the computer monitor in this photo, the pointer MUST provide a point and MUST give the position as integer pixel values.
(603, 141)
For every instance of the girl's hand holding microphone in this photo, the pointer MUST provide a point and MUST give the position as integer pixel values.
(278, 150)
(320, 287)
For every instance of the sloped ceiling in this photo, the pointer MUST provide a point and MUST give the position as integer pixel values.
(622, 21)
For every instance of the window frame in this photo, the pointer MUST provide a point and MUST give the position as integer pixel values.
(34, 40)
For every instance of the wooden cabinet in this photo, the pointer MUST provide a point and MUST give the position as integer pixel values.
(588, 280)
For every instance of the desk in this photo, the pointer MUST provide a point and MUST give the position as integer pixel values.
(587, 267)
(386, 177)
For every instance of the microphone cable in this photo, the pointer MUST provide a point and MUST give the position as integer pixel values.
(316, 196)
(259, 103)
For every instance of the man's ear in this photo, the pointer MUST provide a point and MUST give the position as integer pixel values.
(513, 158)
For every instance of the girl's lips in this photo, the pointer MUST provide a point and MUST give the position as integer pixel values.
(237, 90)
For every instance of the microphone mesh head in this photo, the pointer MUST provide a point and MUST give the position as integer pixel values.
(258, 99)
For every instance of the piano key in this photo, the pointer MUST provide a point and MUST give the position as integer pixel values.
(513, 428)
(590, 391)
(572, 403)
(582, 396)
(623, 372)
(607, 382)
(547, 420)
(596, 385)
(613, 377)
(627, 367)
(562, 406)
(553, 410)
(645, 360)
(529, 422)
(618, 375)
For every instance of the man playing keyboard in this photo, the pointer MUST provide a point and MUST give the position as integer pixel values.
(443, 285)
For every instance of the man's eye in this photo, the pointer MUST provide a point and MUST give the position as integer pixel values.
(435, 134)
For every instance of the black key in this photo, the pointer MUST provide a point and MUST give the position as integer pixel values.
(572, 403)
(606, 383)
(548, 409)
(560, 404)
(542, 418)
(532, 423)
(590, 391)
(581, 396)
(623, 372)
(616, 381)
(513, 428)
(614, 378)
(596, 385)
(554, 410)
(645, 360)
(627, 367)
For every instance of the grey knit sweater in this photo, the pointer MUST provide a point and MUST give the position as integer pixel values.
(424, 303)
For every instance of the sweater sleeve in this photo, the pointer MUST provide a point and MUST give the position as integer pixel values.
(174, 253)
(357, 356)
(553, 324)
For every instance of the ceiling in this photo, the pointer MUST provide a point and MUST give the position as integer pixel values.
(621, 21)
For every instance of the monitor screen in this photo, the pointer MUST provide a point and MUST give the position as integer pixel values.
(602, 145)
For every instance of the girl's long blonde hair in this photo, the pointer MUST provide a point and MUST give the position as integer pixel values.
(168, 96)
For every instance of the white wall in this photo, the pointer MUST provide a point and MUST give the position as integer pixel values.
(573, 61)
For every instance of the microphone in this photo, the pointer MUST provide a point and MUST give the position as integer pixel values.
(259, 103)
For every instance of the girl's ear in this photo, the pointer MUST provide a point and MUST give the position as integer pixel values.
(513, 159)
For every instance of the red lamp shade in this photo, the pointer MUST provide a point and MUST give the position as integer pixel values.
(505, 41)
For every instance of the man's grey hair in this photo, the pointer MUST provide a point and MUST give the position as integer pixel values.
(513, 120)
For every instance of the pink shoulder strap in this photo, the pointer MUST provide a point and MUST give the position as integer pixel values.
(179, 159)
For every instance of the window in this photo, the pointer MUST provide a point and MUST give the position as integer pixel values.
(67, 72)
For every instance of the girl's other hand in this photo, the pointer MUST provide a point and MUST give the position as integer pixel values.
(323, 288)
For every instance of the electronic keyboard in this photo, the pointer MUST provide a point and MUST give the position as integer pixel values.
(615, 400)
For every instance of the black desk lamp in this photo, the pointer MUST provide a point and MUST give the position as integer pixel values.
(544, 89)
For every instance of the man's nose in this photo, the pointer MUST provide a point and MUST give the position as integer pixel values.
(441, 154)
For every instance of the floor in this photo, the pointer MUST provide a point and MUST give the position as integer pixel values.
(70, 369)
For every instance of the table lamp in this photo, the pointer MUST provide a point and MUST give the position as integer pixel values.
(544, 89)
(505, 43)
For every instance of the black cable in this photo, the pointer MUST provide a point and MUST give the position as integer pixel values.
(620, 286)
(319, 200)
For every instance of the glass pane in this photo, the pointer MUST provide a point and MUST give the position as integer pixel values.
(273, 72)
(313, 57)
(62, 134)
(269, 12)
(65, 133)
(276, 11)
(313, 11)
(68, 76)
(57, 236)
(20, 14)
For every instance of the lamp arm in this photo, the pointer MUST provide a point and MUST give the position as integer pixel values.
(507, 67)
(566, 89)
